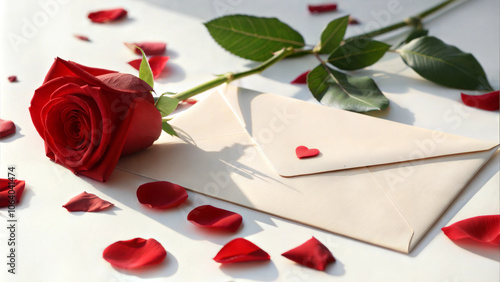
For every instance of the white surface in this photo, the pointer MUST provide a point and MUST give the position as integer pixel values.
(55, 245)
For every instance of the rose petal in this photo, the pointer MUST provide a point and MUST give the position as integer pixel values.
(157, 64)
(312, 254)
(4, 191)
(322, 8)
(82, 37)
(161, 194)
(12, 78)
(240, 250)
(86, 202)
(304, 152)
(301, 79)
(190, 101)
(62, 69)
(489, 101)
(136, 64)
(212, 217)
(7, 128)
(149, 48)
(483, 229)
(128, 140)
(134, 253)
(124, 82)
(105, 16)
(140, 136)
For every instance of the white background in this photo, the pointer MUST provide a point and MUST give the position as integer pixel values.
(55, 245)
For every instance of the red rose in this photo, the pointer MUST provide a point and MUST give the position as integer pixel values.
(89, 117)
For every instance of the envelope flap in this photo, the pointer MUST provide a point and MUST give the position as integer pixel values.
(278, 125)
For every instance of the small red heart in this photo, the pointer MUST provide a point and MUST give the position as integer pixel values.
(304, 152)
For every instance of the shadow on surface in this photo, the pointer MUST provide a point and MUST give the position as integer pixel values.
(475, 184)
(166, 268)
(265, 270)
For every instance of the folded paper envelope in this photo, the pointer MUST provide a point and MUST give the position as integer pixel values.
(374, 180)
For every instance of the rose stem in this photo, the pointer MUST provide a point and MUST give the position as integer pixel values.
(285, 52)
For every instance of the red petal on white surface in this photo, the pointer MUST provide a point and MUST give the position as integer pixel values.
(105, 16)
(11, 198)
(312, 254)
(481, 229)
(149, 48)
(134, 253)
(489, 101)
(82, 37)
(156, 63)
(86, 202)
(7, 127)
(315, 9)
(241, 250)
(161, 194)
(301, 79)
(211, 217)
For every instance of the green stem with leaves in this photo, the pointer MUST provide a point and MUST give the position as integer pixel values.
(228, 77)
(288, 52)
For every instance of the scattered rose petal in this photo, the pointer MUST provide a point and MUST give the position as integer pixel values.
(157, 64)
(352, 20)
(304, 152)
(190, 101)
(484, 229)
(134, 253)
(11, 198)
(489, 101)
(105, 16)
(322, 8)
(12, 78)
(136, 64)
(161, 194)
(212, 217)
(7, 127)
(240, 250)
(82, 37)
(312, 254)
(149, 48)
(301, 79)
(86, 202)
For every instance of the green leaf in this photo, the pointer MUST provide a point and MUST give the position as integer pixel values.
(168, 128)
(358, 53)
(416, 33)
(444, 64)
(166, 105)
(145, 72)
(253, 38)
(332, 35)
(166, 93)
(337, 89)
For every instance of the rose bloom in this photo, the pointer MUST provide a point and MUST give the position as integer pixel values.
(89, 117)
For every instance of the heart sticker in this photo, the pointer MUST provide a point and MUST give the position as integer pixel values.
(304, 152)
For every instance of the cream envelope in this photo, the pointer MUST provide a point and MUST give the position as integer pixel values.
(374, 180)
